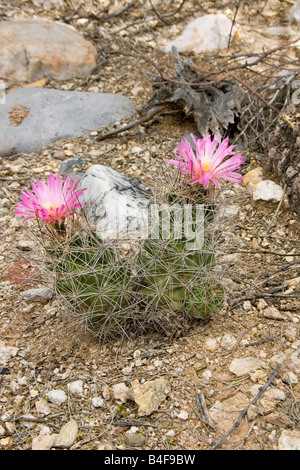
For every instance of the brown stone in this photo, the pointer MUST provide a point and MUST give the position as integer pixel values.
(31, 49)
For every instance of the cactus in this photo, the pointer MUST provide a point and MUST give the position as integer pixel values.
(157, 281)
(95, 284)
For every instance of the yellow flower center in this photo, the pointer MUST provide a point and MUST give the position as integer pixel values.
(206, 166)
(49, 206)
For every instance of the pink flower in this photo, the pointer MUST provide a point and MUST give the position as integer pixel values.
(51, 201)
(208, 164)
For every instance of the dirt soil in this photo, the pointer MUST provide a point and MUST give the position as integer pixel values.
(52, 353)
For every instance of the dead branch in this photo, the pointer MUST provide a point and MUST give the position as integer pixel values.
(233, 22)
(244, 412)
(166, 15)
(152, 112)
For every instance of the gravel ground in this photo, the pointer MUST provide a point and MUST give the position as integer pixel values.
(45, 351)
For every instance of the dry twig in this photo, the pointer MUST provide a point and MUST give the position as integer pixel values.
(244, 412)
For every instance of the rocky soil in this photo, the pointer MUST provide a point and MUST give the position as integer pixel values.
(62, 389)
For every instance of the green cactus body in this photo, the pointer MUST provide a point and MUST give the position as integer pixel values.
(95, 285)
(176, 278)
(106, 289)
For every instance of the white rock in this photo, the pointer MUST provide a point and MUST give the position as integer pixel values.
(67, 435)
(44, 441)
(267, 190)
(228, 341)
(137, 354)
(205, 34)
(150, 395)
(273, 314)
(121, 392)
(289, 440)
(57, 397)
(98, 402)
(279, 31)
(211, 344)
(244, 365)
(294, 15)
(291, 333)
(247, 306)
(290, 378)
(76, 387)
(42, 407)
(183, 415)
(127, 370)
(262, 304)
(116, 204)
(207, 374)
(7, 352)
(171, 433)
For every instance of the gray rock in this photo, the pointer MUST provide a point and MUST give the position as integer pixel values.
(33, 117)
(31, 49)
(40, 294)
(133, 439)
(73, 166)
(116, 204)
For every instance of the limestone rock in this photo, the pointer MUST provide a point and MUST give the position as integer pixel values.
(260, 189)
(98, 402)
(244, 365)
(279, 32)
(205, 34)
(289, 440)
(273, 314)
(118, 205)
(267, 403)
(44, 441)
(76, 388)
(7, 352)
(267, 190)
(294, 15)
(40, 294)
(31, 49)
(33, 117)
(224, 413)
(67, 435)
(57, 397)
(150, 395)
(121, 392)
(42, 407)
